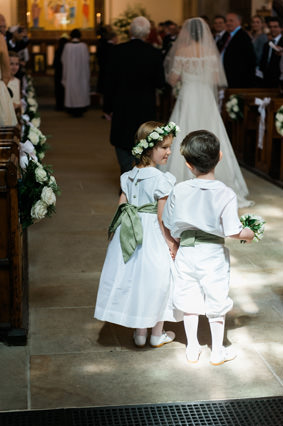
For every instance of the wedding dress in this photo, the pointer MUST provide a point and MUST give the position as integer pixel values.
(194, 65)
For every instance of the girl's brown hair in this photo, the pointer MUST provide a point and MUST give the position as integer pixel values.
(143, 131)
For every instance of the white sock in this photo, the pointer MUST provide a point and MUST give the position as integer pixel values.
(191, 329)
(157, 329)
(141, 331)
(217, 334)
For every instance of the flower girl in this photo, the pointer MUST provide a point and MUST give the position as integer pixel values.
(134, 289)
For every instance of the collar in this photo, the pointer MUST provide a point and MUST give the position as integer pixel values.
(235, 31)
(143, 173)
(205, 183)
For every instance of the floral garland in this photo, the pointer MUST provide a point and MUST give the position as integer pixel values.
(234, 107)
(157, 135)
(37, 186)
(279, 120)
(123, 22)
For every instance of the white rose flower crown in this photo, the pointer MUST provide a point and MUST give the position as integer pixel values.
(157, 135)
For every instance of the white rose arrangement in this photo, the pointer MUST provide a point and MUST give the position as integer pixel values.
(37, 187)
(234, 107)
(279, 120)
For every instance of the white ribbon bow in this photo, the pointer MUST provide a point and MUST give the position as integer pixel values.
(26, 151)
(262, 104)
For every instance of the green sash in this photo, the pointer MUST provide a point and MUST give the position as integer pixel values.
(192, 237)
(131, 227)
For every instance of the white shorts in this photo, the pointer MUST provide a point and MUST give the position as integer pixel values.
(201, 280)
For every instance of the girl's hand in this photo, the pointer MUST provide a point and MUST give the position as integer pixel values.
(173, 250)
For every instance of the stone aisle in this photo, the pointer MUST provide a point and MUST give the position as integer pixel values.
(73, 360)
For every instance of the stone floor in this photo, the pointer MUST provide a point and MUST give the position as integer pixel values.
(72, 360)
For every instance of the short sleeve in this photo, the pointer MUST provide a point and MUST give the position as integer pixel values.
(123, 182)
(230, 219)
(168, 210)
(164, 185)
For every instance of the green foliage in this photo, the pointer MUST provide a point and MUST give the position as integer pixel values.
(122, 24)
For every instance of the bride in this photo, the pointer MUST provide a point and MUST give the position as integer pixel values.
(193, 67)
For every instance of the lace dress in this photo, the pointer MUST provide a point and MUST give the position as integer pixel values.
(196, 109)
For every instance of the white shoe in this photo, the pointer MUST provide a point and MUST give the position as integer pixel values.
(139, 341)
(224, 355)
(193, 354)
(158, 341)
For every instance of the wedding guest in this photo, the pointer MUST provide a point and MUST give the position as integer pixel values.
(14, 83)
(238, 54)
(7, 112)
(219, 31)
(171, 32)
(154, 38)
(59, 90)
(259, 38)
(104, 52)
(270, 61)
(76, 75)
(135, 72)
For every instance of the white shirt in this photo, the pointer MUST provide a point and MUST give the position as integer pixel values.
(207, 205)
(146, 185)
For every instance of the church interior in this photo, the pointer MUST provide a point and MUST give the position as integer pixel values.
(59, 363)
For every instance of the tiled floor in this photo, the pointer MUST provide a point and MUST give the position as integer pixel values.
(73, 360)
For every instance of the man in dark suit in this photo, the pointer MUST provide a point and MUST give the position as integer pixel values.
(270, 61)
(238, 54)
(219, 31)
(135, 72)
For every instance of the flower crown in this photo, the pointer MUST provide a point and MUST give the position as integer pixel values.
(157, 135)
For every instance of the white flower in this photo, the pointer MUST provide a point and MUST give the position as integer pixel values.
(48, 196)
(31, 101)
(236, 108)
(33, 108)
(40, 174)
(158, 130)
(36, 122)
(232, 115)
(279, 117)
(234, 101)
(24, 160)
(52, 181)
(154, 135)
(33, 136)
(143, 143)
(38, 210)
(41, 155)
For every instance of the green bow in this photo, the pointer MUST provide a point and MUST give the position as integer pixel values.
(131, 233)
(192, 237)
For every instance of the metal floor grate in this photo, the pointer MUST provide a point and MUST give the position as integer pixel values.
(240, 412)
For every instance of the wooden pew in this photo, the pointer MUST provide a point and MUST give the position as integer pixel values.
(13, 249)
(243, 134)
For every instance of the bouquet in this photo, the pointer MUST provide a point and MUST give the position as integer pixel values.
(279, 120)
(234, 107)
(255, 223)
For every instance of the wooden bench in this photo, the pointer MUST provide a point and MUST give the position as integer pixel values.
(13, 246)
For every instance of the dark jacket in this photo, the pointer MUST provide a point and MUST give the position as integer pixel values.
(239, 61)
(271, 68)
(135, 72)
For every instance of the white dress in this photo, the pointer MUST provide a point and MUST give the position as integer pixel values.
(196, 109)
(138, 293)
